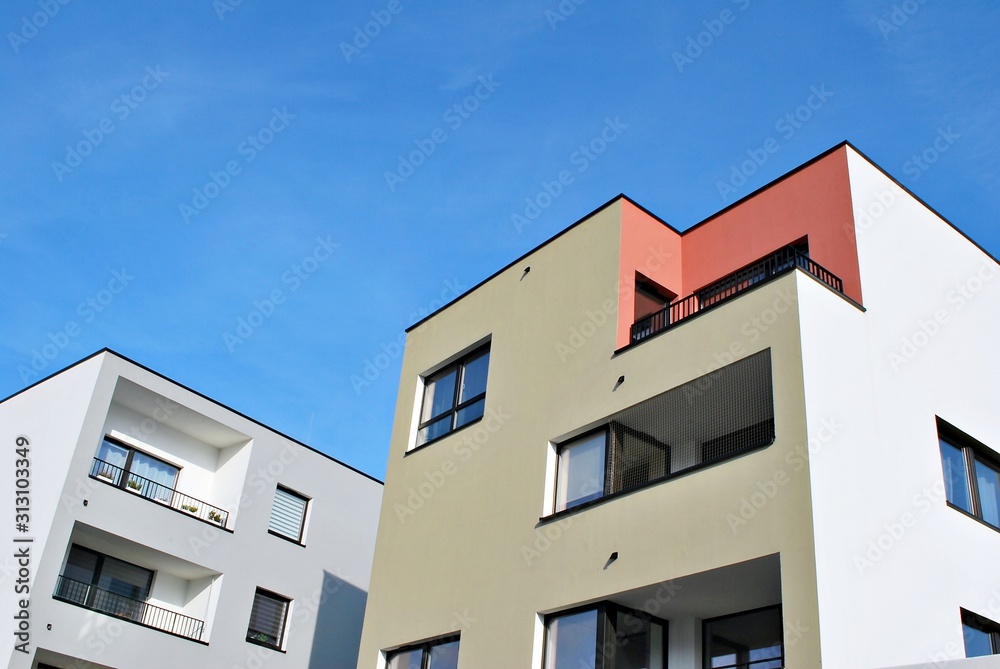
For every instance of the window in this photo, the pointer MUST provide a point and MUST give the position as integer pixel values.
(288, 514)
(971, 474)
(438, 654)
(267, 619)
(135, 471)
(982, 636)
(454, 396)
(750, 640)
(710, 419)
(104, 583)
(607, 636)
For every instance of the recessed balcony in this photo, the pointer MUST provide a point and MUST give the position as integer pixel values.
(778, 263)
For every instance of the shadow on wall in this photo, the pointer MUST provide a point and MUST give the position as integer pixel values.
(339, 617)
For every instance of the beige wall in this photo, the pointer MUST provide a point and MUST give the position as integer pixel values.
(460, 519)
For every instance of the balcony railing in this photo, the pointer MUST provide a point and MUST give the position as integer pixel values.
(779, 262)
(157, 492)
(126, 608)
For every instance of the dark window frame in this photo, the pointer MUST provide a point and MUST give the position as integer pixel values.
(302, 524)
(274, 596)
(425, 648)
(973, 451)
(127, 467)
(95, 577)
(982, 624)
(456, 407)
(607, 620)
(708, 621)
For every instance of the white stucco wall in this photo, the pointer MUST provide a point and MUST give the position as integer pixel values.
(894, 563)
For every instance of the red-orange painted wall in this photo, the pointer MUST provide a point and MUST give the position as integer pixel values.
(813, 202)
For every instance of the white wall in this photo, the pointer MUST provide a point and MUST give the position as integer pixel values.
(894, 563)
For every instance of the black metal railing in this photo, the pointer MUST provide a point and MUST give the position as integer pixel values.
(779, 262)
(157, 492)
(91, 597)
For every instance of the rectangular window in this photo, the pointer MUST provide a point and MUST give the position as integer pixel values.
(751, 640)
(971, 474)
(710, 419)
(288, 514)
(982, 636)
(454, 396)
(606, 636)
(267, 619)
(104, 583)
(132, 470)
(437, 654)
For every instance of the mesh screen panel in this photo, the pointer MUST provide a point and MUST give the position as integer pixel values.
(713, 417)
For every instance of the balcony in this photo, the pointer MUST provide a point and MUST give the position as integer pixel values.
(159, 493)
(133, 610)
(780, 262)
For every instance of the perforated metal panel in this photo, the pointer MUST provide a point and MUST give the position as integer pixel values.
(716, 416)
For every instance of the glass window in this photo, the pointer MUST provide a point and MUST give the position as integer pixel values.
(751, 640)
(104, 583)
(572, 641)
(288, 514)
(956, 476)
(581, 470)
(971, 474)
(982, 636)
(988, 484)
(608, 636)
(454, 396)
(439, 654)
(267, 619)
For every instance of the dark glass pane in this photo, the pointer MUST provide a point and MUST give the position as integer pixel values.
(406, 660)
(80, 565)
(474, 377)
(977, 642)
(572, 641)
(470, 413)
(434, 430)
(439, 394)
(738, 641)
(988, 480)
(125, 579)
(638, 643)
(267, 619)
(956, 479)
(444, 656)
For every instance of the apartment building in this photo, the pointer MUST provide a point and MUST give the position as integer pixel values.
(768, 441)
(166, 530)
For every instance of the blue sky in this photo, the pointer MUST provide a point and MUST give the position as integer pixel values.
(172, 168)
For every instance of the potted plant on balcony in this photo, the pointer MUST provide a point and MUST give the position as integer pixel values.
(190, 508)
(215, 516)
(134, 485)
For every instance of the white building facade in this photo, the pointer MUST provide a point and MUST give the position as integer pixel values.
(164, 530)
